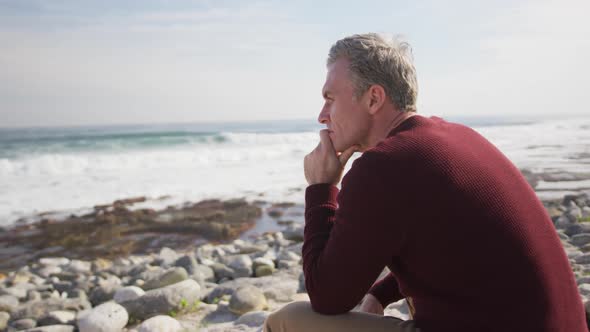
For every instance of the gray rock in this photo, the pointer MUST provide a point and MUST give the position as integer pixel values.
(583, 259)
(18, 292)
(80, 267)
(78, 294)
(54, 261)
(167, 257)
(171, 276)
(59, 317)
(39, 309)
(128, 293)
(220, 291)
(263, 261)
(47, 271)
(286, 255)
(584, 289)
(163, 300)
(241, 264)
(244, 247)
(63, 286)
(581, 239)
(151, 272)
(189, 263)
(105, 290)
(203, 273)
(573, 229)
(67, 276)
(247, 299)
(24, 324)
(253, 318)
(573, 253)
(160, 323)
(573, 212)
(222, 271)
(107, 317)
(294, 232)
(8, 303)
(52, 328)
(21, 277)
(220, 315)
(4, 318)
(288, 264)
(264, 270)
(204, 252)
(562, 235)
(280, 287)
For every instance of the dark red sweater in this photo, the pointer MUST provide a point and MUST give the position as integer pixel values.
(457, 224)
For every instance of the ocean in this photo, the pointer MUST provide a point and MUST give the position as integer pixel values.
(69, 170)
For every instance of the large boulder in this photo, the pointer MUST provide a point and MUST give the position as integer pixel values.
(164, 300)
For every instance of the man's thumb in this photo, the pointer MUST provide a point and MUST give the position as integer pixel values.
(344, 156)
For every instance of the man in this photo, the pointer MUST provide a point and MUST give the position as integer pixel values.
(463, 234)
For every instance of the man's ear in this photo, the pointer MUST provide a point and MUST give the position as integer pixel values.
(375, 98)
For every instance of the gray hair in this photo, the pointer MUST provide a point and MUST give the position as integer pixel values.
(376, 59)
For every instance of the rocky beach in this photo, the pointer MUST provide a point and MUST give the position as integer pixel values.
(91, 240)
(214, 265)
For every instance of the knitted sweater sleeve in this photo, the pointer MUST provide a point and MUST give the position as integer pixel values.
(349, 237)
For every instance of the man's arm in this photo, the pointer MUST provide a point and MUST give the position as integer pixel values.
(350, 235)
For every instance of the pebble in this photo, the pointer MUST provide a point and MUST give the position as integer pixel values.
(128, 293)
(160, 323)
(107, 317)
(247, 299)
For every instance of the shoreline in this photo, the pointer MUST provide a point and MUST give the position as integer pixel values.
(118, 229)
(140, 225)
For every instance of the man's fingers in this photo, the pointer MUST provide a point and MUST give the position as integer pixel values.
(344, 156)
(325, 140)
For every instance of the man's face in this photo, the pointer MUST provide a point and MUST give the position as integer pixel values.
(342, 113)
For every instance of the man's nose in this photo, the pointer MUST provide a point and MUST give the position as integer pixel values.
(324, 116)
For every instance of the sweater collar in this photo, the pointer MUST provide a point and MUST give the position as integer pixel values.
(406, 124)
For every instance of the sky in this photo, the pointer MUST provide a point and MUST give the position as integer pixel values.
(81, 62)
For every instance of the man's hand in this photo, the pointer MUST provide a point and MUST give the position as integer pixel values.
(323, 164)
(371, 305)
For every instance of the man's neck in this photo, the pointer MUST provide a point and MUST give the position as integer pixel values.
(379, 133)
